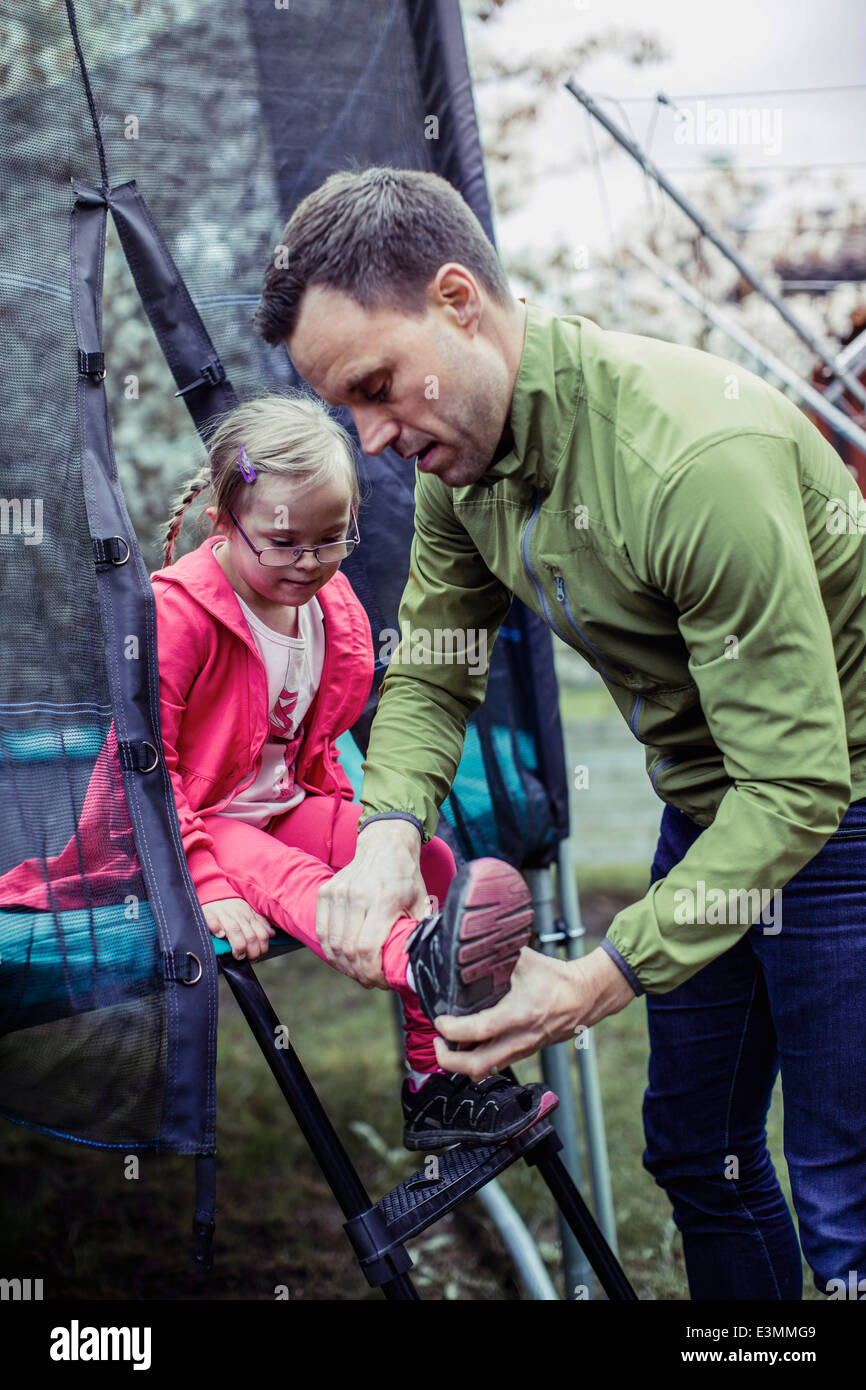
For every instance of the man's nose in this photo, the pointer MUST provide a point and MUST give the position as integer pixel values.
(376, 431)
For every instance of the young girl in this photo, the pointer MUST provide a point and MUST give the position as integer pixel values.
(265, 658)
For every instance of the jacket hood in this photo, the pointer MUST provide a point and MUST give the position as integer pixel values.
(337, 704)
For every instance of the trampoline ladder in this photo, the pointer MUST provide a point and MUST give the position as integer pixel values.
(378, 1231)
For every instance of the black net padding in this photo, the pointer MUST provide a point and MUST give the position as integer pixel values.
(223, 118)
(100, 1040)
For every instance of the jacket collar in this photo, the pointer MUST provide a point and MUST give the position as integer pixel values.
(547, 390)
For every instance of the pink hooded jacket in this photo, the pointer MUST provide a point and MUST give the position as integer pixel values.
(214, 718)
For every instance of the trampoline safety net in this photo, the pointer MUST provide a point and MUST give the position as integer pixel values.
(214, 120)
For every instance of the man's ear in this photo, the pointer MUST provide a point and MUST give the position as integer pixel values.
(455, 286)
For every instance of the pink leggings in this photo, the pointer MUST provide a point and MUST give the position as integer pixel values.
(279, 872)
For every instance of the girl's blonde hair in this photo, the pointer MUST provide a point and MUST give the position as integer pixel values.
(294, 436)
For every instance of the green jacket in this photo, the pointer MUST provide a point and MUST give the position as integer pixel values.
(683, 526)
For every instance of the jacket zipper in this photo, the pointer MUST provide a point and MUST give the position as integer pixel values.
(560, 594)
(563, 599)
(634, 716)
(657, 769)
(527, 564)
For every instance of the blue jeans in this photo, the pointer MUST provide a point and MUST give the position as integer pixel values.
(792, 1000)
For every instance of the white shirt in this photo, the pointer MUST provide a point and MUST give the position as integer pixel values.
(294, 670)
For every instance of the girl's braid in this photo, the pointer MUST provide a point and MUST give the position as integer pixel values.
(198, 484)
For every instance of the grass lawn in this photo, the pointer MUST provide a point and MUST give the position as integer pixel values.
(90, 1232)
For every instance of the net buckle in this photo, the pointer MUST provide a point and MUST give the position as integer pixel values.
(92, 364)
(212, 373)
(109, 550)
(137, 757)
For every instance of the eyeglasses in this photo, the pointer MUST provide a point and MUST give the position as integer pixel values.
(327, 554)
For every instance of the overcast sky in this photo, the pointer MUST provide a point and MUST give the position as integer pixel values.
(741, 46)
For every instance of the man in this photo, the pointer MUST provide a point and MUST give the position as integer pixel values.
(667, 515)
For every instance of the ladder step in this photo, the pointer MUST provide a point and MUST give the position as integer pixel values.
(419, 1200)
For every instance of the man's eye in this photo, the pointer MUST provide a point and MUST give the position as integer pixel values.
(379, 395)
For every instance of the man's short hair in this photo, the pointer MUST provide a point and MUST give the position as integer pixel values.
(378, 235)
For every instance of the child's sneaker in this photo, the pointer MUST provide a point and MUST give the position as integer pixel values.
(451, 1109)
(463, 955)
(461, 959)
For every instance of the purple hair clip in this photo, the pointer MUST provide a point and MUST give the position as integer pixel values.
(245, 466)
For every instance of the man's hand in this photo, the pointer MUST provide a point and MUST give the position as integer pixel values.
(358, 907)
(247, 930)
(550, 1000)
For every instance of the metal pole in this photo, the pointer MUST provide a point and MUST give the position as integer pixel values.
(808, 393)
(556, 1070)
(611, 1275)
(850, 382)
(531, 1269)
(587, 1061)
(323, 1140)
(848, 358)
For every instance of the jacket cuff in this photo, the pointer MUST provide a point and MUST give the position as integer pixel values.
(393, 815)
(210, 882)
(626, 969)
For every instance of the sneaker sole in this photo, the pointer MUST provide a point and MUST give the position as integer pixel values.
(495, 919)
(486, 919)
(495, 910)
